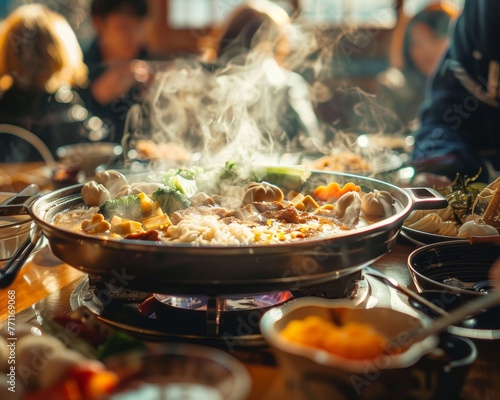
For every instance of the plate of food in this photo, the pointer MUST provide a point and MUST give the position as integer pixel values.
(355, 162)
(472, 211)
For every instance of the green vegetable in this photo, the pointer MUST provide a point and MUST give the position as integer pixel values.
(127, 207)
(182, 179)
(461, 194)
(186, 186)
(170, 199)
(286, 177)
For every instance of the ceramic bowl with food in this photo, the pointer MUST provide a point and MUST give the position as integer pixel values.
(313, 371)
(87, 157)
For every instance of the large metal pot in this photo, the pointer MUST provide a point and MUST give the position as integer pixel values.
(184, 269)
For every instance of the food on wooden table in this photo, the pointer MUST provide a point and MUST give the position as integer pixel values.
(352, 340)
(470, 212)
(345, 161)
(148, 149)
(175, 209)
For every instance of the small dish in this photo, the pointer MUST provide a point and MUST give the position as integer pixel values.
(179, 371)
(311, 372)
(87, 157)
(14, 230)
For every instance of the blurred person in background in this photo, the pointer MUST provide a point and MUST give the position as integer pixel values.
(40, 63)
(258, 34)
(460, 123)
(117, 77)
(424, 43)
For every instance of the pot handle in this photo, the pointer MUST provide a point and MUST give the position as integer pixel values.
(426, 198)
(19, 203)
(14, 265)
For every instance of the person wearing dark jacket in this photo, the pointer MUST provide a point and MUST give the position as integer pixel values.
(115, 73)
(460, 122)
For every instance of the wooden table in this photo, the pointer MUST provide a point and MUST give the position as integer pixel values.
(16, 176)
(45, 275)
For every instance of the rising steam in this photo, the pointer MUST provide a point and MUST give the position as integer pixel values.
(254, 104)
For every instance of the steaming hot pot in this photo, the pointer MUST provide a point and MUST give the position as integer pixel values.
(185, 269)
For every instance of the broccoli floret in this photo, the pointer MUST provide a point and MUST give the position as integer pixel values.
(170, 200)
(127, 207)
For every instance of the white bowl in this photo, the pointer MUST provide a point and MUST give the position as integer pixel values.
(88, 156)
(14, 230)
(311, 372)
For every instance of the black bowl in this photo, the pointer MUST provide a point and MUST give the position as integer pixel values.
(431, 267)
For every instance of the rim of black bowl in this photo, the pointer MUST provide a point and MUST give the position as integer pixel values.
(443, 286)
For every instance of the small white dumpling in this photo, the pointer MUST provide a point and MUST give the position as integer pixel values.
(348, 207)
(377, 203)
(94, 194)
(445, 213)
(139, 187)
(429, 223)
(447, 228)
(111, 180)
(476, 228)
(415, 216)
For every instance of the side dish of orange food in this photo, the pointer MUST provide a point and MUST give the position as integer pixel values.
(352, 340)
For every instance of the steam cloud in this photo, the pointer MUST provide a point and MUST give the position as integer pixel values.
(252, 105)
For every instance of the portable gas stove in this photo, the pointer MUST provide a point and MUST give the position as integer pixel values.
(204, 319)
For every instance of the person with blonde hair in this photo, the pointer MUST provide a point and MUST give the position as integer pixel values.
(40, 64)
